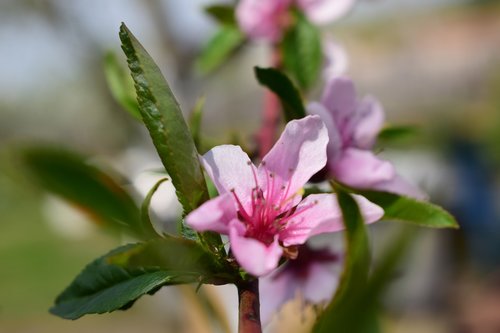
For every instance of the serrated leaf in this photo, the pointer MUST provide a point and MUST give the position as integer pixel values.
(219, 48)
(283, 87)
(66, 175)
(356, 267)
(224, 14)
(102, 287)
(163, 117)
(405, 209)
(302, 53)
(121, 85)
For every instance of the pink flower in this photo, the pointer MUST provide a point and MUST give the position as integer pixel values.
(261, 208)
(263, 19)
(337, 61)
(353, 127)
(313, 276)
(325, 11)
(267, 19)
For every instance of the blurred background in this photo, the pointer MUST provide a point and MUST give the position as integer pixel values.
(434, 64)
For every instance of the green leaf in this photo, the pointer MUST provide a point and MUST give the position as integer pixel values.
(224, 14)
(356, 266)
(121, 85)
(163, 118)
(283, 87)
(302, 53)
(405, 209)
(219, 48)
(358, 312)
(180, 257)
(145, 218)
(67, 175)
(397, 134)
(102, 287)
(195, 121)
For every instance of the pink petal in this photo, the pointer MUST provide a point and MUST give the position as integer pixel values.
(275, 290)
(325, 11)
(262, 19)
(371, 119)
(339, 97)
(213, 215)
(337, 60)
(398, 185)
(230, 169)
(335, 143)
(255, 257)
(320, 209)
(324, 217)
(322, 281)
(361, 169)
(298, 154)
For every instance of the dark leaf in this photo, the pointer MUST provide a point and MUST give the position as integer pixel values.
(102, 287)
(288, 94)
(224, 14)
(67, 175)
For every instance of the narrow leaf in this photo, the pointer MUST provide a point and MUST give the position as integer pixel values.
(302, 53)
(224, 14)
(195, 121)
(393, 134)
(102, 287)
(356, 267)
(163, 117)
(283, 87)
(67, 175)
(145, 218)
(121, 85)
(359, 312)
(405, 209)
(219, 48)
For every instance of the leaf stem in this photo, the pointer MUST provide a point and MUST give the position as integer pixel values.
(249, 307)
(271, 112)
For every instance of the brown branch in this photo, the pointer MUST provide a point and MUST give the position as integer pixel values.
(249, 307)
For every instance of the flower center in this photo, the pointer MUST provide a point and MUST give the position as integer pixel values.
(270, 210)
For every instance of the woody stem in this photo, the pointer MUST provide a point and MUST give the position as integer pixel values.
(249, 307)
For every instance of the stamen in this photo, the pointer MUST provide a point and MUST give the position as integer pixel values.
(242, 210)
(285, 196)
(287, 218)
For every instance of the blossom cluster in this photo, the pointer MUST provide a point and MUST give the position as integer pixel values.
(262, 208)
